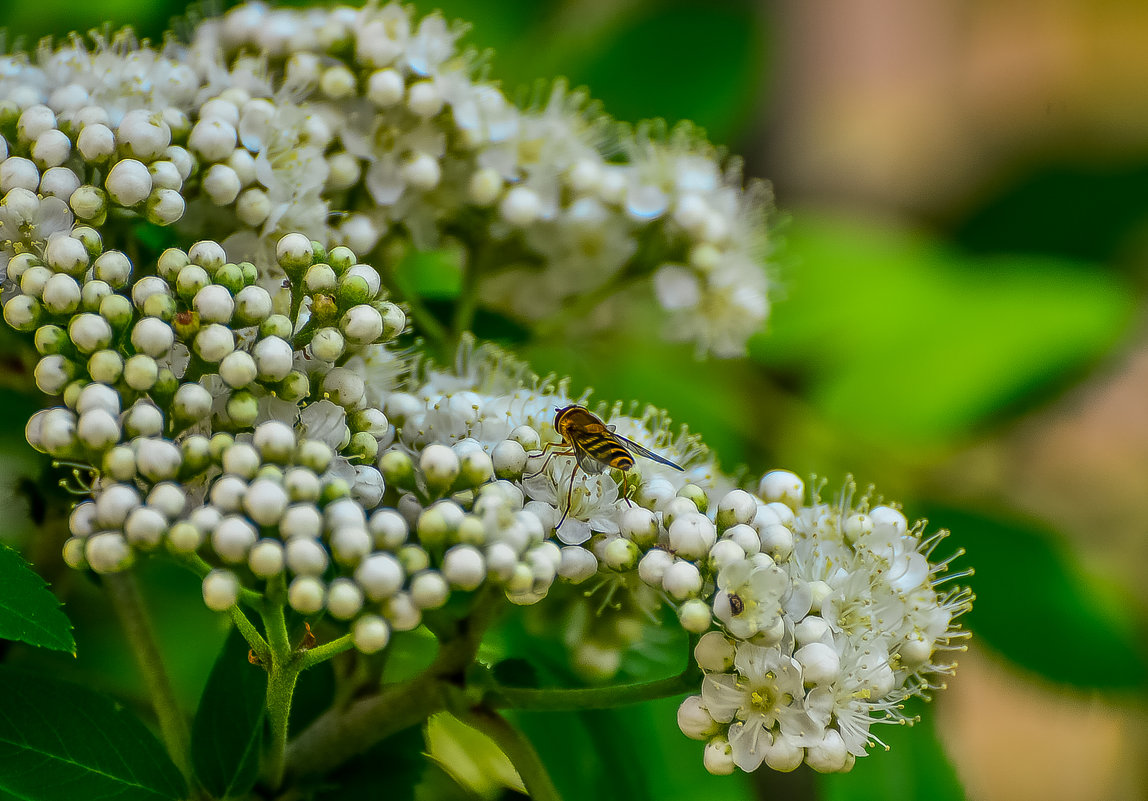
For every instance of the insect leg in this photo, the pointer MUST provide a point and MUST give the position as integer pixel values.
(565, 452)
(569, 497)
(625, 487)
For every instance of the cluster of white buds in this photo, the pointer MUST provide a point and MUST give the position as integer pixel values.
(251, 417)
(380, 116)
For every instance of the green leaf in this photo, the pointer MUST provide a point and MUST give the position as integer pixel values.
(391, 770)
(61, 742)
(227, 737)
(913, 345)
(914, 767)
(1038, 609)
(29, 612)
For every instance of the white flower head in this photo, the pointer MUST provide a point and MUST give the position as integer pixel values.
(762, 700)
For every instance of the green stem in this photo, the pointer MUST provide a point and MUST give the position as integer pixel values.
(283, 672)
(129, 607)
(280, 691)
(321, 653)
(251, 634)
(339, 734)
(590, 697)
(519, 750)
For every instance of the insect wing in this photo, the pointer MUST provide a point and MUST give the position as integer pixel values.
(586, 461)
(647, 453)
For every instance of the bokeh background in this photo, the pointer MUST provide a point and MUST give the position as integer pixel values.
(959, 251)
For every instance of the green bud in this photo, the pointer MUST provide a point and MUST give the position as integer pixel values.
(433, 529)
(218, 444)
(295, 387)
(324, 310)
(20, 264)
(22, 312)
(363, 447)
(117, 310)
(160, 305)
(320, 278)
(394, 320)
(51, 339)
(413, 557)
(9, 113)
(277, 325)
(163, 391)
(243, 408)
(352, 291)
(190, 280)
(72, 392)
(318, 252)
(472, 531)
(697, 495)
(250, 273)
(341, 259)
(90, 238)
(397, 468)
(90, 203)
(141, 372)
(92, 293)
(196, 452)
(270, 471)
(334, 490)
(229, 276)
(106, 366)
(120, 463)
(370, 420)
(186, 325)
(171, 261)
(315, 455)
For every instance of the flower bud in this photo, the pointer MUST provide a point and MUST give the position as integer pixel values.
(783, 486)
(371, 633)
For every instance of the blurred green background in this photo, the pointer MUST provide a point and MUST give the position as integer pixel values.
(959, 260)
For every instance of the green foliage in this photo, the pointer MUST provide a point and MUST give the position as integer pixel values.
(227, 737)
(914, 767)
(1034, 213)
(29, 612)
(60, 742)
(914, 345)
(1036, 608)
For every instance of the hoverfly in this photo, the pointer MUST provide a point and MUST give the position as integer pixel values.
(595, 446)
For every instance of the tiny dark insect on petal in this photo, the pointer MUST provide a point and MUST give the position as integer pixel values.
(736, 604)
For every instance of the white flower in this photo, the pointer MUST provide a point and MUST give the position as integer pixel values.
(763, 699)
(324, 421)
(748, 600)
(589, 502)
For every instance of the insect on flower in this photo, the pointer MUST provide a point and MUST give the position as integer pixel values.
(595, 446)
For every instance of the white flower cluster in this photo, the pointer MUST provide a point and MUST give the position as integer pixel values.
(254, 418)
(824, 632)
(279, 116)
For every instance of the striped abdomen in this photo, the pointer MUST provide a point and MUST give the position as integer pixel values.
(606, 448)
